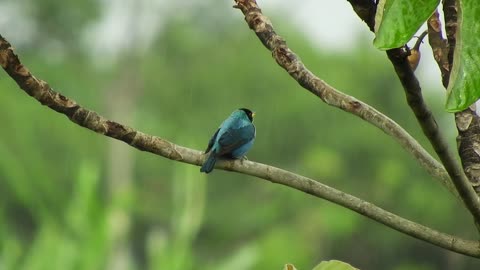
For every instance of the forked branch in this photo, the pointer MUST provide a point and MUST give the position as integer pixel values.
(42, 92)
(425, 118)
(288, 60)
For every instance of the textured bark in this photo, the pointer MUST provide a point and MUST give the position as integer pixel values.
(467, 121)
(413, 92)
(439, 46)
(288, 60)
(450, 14)
(468, 141)
(91, 120)
(430, 128)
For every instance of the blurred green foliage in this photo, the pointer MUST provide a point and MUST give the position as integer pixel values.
(58, 204)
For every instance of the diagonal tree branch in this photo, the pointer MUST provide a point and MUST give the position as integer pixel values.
(366, 10)
(425, 118)
(287, 59)
(367, 17)
(432, 132)
(41, 91)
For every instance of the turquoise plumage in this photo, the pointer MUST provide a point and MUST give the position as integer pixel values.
(233, 139)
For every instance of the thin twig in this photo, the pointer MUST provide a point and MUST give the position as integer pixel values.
(287, 59)
(415, 55)
(430, 128)
(41, 91)
(419, 41)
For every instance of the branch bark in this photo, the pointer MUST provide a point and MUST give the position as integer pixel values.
(287, 59)
(42, 92)
(430, 128)
(450, 14)
(439, 46)
(425, 118)
(467, 121)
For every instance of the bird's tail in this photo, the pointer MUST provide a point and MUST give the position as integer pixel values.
(209, 163)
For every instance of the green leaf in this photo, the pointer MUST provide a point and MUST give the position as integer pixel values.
(396, 21)
(464, 86)
(334, 265)
(289, 267)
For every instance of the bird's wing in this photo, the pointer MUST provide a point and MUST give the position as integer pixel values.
(212, 141)
(233, 138)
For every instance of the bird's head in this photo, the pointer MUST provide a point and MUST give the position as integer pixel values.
(249, 113)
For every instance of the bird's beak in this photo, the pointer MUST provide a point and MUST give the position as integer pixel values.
(253, 114)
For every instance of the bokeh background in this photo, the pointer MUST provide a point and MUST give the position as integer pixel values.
(71, 199)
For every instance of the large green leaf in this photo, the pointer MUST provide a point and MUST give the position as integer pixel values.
(464, 86)
(334, 265)
(396, 21)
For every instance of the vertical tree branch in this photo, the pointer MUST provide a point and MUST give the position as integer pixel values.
(467, 121)
(468, 142)
(450, 14)
(410, 84)
(439, 46)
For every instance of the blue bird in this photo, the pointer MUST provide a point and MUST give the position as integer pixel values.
(233, 138)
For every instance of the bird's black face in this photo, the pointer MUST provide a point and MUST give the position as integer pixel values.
(249, 113)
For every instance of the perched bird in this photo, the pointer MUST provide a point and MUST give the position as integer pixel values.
(233, 138)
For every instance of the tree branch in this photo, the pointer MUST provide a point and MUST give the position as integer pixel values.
(439, 46)
(425, 118)
(287, 59)
(41, 91)
(467, 121)
(432, 132)
(365, 10)
(468, 142)
(450, 14)
(367, 18)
